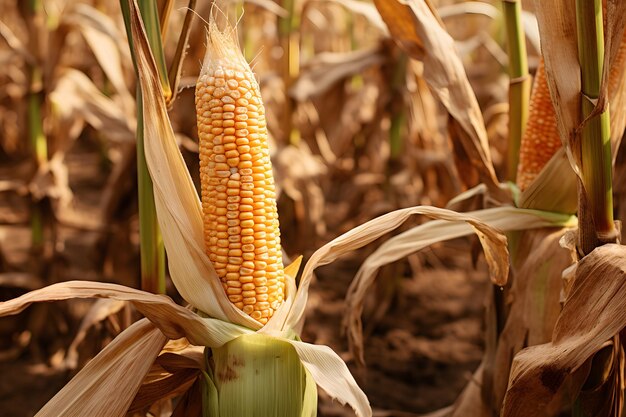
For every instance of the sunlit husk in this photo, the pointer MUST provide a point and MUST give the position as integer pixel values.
(257, 376)
(554, 189)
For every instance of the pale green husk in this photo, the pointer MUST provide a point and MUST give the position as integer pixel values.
(257, 376)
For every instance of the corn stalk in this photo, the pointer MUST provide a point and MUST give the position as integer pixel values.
(595, 191)
(151, 244)
(519, 84)
(35, 100)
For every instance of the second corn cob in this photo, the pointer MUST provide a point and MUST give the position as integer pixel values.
(541, 137)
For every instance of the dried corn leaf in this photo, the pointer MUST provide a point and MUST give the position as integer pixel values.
(534, 308)
(449, 225)
(173, 320)
(105, 387)
(367, 10)
(593, 313)
(417, 29)
(326, 69)
(75, 97)
(492, 239)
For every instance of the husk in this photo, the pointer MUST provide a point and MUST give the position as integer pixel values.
(258, 375)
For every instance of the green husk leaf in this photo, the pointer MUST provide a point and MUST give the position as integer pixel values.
(257, 375)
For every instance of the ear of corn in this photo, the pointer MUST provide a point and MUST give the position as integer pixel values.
(541, 138)
(242, 238)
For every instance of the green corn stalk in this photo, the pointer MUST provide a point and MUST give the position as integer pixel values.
(36, 135)
(519, 84)
(596, 196)
(151, 244)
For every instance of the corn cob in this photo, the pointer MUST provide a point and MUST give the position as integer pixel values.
(541, 137)
(241, 233)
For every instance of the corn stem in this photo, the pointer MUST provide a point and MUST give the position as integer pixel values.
(35, 100)
(151, 22)
(519, 84)
(152, 252)
(595, 143)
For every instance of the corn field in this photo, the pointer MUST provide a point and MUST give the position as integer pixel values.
(297, 208)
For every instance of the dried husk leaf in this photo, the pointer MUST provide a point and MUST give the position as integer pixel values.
(593, 313)
(418, 31)
(106, 386)
(332, 375)
(449, 226)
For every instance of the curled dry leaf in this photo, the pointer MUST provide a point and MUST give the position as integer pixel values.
(372, 230)
(75, 97)
(449, 225)
(418, 31)
(594, 312)
(173, 320)
(106, 42)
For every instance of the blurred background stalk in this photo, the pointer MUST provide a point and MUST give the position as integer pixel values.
(289, 34)
(36, 135)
